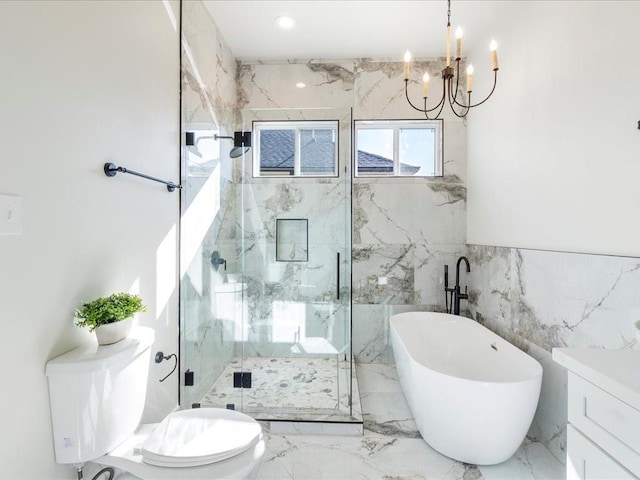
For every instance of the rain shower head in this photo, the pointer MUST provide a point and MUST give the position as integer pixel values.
(241, 143)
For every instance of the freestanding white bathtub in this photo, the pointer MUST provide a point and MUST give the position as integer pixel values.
(472, 393)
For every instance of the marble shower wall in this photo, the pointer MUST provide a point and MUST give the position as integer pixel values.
(292, 306)
(539, 300)
(209, 316)
(404, 230)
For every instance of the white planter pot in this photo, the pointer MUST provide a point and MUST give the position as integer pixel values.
(113, 332)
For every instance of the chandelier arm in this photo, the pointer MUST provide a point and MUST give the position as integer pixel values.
(442, 103)
(453, 101)
(425, 110)
(452, 97)
(495, 82)
(406, 94)
(426, 114)
(464, 112)
(455, 95)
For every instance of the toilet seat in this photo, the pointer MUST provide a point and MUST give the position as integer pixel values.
(200, 436)
(127, 457)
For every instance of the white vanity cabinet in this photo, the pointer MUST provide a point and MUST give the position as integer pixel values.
(603, 431)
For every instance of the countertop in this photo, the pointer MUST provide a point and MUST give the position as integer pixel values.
(615, 371)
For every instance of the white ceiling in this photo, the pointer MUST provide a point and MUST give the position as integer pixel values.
(351, 29)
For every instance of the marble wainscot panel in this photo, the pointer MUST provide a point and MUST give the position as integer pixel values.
(539, 300)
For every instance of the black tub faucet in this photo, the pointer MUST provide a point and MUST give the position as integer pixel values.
(457, 295)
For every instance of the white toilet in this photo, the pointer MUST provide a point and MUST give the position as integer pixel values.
(97, 396)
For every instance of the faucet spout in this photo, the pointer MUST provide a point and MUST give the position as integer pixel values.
(457, 295)
(461, 259)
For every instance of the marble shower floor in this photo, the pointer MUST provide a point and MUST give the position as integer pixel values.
(291, 388)
(391, 448)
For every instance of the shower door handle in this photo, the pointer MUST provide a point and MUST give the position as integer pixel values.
(338, 276)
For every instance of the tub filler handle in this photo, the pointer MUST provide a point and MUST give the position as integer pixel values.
(338, 276)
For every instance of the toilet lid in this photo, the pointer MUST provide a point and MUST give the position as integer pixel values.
(200, 436)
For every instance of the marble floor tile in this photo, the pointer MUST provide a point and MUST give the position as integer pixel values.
(532, 461)
(377, 377)
(290, 388)
(392, 454)
(388, 413)
(371, 456)
(281, 383)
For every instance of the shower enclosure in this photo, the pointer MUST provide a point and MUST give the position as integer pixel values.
(266, 260)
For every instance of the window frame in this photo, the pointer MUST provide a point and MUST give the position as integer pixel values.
(296, 125)
(396, 126)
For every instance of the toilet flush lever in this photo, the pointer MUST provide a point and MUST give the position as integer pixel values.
(161, 356)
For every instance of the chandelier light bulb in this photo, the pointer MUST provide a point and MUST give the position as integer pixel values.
(458, 43)
(493, 46)
(407, 59)
(470, 78)
(425, 85)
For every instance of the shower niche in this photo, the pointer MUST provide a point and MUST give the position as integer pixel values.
(292, 240)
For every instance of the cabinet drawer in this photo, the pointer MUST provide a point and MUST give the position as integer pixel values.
(585, 461)
(608, 421)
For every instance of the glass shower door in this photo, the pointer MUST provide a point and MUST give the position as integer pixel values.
(295, 261)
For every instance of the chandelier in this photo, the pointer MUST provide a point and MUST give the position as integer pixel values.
(451, 79)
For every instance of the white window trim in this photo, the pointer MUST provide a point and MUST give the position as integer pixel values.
(295, 125)
(396, 126)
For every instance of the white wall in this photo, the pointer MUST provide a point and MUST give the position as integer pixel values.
(82, 83)
(553, 156)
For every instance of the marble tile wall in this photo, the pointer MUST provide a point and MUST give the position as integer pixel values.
(292, 307)
(209, 314)
(539, 300)
(403, 230)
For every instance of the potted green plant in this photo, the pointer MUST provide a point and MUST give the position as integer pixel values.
(110, 317)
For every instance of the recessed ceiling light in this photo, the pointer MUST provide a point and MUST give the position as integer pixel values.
(301, 85)
(285, 22)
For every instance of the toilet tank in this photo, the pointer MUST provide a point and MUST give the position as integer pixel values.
(97, 395)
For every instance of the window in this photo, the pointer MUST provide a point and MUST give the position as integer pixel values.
(300, 149)
(400, 148)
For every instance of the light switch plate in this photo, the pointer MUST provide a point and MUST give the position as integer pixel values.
(10, 214)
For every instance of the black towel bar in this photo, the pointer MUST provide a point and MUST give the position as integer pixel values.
(110, 170)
